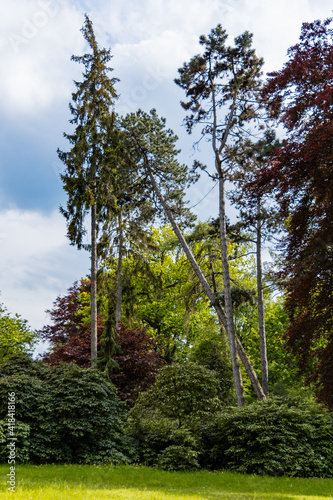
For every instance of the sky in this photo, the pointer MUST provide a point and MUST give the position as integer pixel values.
(149, 41)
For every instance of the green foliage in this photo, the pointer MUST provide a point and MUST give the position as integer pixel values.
(183, 392)
(279, 436)
(22, 432)
(15, 334)
(211, 352)
(283, 374)
(73, 413)
(182, 455)
(161, 294)
(166, 418)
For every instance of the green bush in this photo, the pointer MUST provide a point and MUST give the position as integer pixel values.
(182, 454)
(212, 353)
(21, 434)
(182, 392)
(166, 418)
(73, 413)
(177, 457)
(277, 437)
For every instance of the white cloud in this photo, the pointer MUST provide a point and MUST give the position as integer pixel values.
(38, 38)
(150, 39)
(131, 21)
(37, 263)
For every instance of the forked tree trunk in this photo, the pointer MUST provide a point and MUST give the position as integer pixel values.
(119, 273)
(242, 354)
(93, 290)
(261, 313)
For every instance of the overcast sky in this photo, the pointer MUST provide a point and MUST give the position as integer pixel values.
(150, 40)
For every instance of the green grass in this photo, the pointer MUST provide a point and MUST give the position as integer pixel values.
(67, 482)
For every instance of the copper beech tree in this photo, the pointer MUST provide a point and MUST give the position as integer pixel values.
(69, 333)
(300, 176)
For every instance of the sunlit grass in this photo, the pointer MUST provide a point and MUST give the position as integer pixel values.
(65, 482)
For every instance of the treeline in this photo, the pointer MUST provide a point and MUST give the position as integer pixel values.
(179, 324)
(124, 172)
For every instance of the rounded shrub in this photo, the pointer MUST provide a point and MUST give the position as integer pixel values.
(177, 457)
(278, 436)
(166, 418)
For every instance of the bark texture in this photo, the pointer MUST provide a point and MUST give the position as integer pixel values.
(93, 292)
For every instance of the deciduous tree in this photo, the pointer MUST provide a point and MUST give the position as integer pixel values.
(136, 354)
(138, 360)
(69, 333)
(15, 334)
(301, 178)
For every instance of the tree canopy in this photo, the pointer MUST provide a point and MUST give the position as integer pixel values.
(15, 334)
(301, 178)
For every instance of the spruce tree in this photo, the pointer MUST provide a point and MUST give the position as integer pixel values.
(89, 176)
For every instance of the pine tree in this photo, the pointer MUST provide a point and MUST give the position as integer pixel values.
(258, 215)
(221, 85)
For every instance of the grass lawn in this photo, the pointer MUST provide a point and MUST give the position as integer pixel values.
(64, 482)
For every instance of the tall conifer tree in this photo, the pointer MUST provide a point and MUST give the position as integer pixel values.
(88, 178)
(258, 215)
(220, 85)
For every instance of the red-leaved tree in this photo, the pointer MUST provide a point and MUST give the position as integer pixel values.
(69, 334)
(301, 178)
(138, 359)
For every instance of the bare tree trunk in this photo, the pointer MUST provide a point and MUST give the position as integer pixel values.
(241, 352)
(261, 312)
(250, 370)
(222, 329)
(119, 273)
(227, 298)
(93, 290)
(245, 360)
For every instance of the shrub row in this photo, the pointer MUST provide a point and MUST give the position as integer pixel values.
(69, 414)
(274, 437)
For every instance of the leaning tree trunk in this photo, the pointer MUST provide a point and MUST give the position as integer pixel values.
(261, 313)
(227, 297)
(119, 273)
(93, 290)
(215, 290)
(242, 354)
